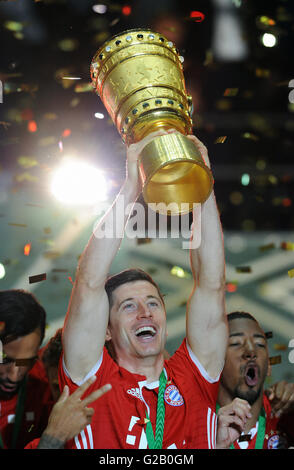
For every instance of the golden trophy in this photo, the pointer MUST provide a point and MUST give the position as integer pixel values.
(138, 75)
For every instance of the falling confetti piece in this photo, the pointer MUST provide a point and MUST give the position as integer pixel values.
(142, 241)
(2, 326)
(291, 273)
(262, 73)
(231, 91)
(31, 427)
(32, 126)
(27, 249)
(243, 269)
(70, 280)
(288, 246)
(83, 87)
(27, 162)
(197, 16)
(37, 278)
(269, 334)
(280, 347)
(275, 360)
(249, 135)
(220, 140)
(265, 20)
(231, 287)
(26, 177)
(126, 10)
(59, 270)
(180, 272)
(17, 225)
(13, 26)
(52, 254)
(68, 44)
(66, 133)
(270, 246)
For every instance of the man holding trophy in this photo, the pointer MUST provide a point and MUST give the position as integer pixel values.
(154, 403)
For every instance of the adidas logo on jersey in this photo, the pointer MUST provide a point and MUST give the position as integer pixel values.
(135, 392)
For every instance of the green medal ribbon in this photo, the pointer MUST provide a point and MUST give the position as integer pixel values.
(160, 414)
(18, 415)
(260, 431)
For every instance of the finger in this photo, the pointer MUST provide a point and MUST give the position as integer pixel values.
(81, 390)
(97, 394)
(283, 405)
(89, 412)
(280, 388)
(230, 420)
(64, 394)
(270, 393)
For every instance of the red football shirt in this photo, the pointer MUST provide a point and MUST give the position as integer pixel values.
(118, 423)
(37, 409)
(275, 431)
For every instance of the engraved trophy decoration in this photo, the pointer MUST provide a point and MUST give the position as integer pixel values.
(138, 75)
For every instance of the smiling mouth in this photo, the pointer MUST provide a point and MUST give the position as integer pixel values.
(145, 333)
(251, 375)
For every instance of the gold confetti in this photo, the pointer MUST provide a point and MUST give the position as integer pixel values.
(266, 21)
(288, 246)
(27, 162)
(31, 427)
(143, 241)
(52, 254)
(291, 273)
(270, 246)
(262, 73)
(275, 360)
(26, 177)
(37, 278)
(17, 225)
(220, 140)
(280, 347)
(243, 269)
(83, 87)
(231, 91)
(249, 135)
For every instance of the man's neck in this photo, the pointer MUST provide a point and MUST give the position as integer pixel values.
(150, 367)
(224, 398)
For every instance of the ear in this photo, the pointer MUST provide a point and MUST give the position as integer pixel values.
(108, 334)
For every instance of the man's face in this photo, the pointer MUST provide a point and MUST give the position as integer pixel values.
(11, 375)
(247, 361)
(137, 324)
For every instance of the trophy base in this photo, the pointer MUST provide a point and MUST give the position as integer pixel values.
(174, 175)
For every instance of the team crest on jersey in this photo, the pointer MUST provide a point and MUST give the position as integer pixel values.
(273, 442)
(172, 396)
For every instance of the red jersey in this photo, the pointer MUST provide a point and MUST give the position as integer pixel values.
(276, 435)
(118, 422)
(37, 409)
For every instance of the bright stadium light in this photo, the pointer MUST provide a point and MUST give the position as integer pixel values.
(76, 182)
(268, 40)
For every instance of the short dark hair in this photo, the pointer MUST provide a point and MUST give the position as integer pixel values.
(237, 314)
(21, 314)
(53, 350)
(128, 275)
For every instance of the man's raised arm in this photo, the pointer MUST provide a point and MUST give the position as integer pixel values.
(88, 312)
(207, 331)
